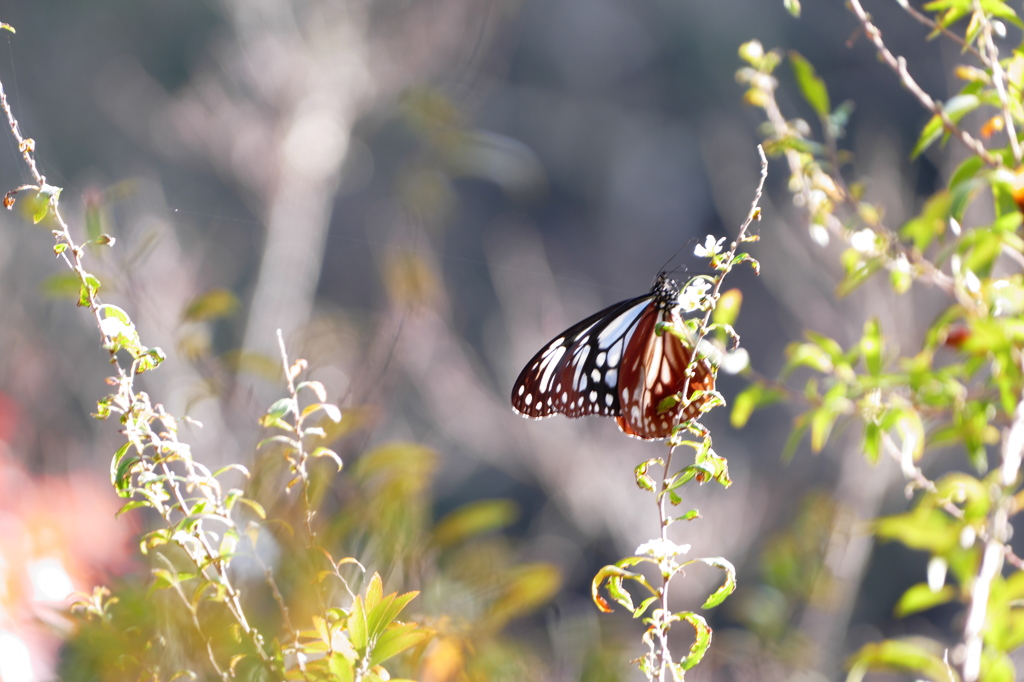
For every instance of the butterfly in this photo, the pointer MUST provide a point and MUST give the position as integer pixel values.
(615, 364)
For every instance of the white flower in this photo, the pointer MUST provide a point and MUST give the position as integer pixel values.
(661, 549)
(735, 361)
(864, 241)
(819, 234)
(710, 248)
(693, 295)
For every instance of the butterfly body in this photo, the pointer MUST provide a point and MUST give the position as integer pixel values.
(615, 364)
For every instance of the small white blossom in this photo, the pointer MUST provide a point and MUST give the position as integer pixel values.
(819, 235)
(864, 241)
(735, 361)
(937, 573)
(113, 327)
(693, 295)
(661, 549)
(815, 198)
(710, 248)
(954, 226)
(971, 282)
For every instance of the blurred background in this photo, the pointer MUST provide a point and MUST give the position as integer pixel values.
(421, 194)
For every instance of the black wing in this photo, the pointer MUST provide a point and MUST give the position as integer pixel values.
(577, 373)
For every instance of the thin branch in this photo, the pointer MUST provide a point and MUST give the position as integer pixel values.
(935, 26)
(661, 618)
(998, 79)
(899, 65)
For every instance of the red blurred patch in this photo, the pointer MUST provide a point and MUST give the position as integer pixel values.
(956, 335)
(8, 417)
(58, 535)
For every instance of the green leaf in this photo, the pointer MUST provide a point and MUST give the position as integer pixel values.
(822, 421)
(211, 305)
(904, 656)
(727, 587)
(872, 442)
(812, 87)
(331, 454)
(871, 346)
(88, 289)
(357, 631)
(61, 285)
(956, 108)
(931, 222)
(807, 355)
(277, 412)
(123, 474)
(525, 588)
(474, 519)
(332, 411)
(255, 506)
(149, 360)
(924, 529)
(727, 309)
(701, 642)
(134, 504)
(40, 208)
(920, 597)
(793, 7)
(397, 639)
(374, 593)
(800, 427)
(611, 577)
(858, 272)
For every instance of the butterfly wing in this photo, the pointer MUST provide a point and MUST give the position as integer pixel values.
(654, 368)
(577, 373)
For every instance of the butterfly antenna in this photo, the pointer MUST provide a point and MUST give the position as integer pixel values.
(665, 270)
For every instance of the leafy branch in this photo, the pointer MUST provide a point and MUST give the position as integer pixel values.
(703, 294)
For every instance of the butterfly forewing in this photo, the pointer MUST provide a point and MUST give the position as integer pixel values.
(576, 374)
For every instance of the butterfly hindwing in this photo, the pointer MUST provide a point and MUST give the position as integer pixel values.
(655, 369)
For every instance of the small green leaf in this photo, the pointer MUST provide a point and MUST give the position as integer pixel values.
(955, 109)
(871, 346)
(727, 309)
(904, 656)
(315, 386)
(812, 87)
(611, 576)
(793, 7)
(327, 452)
(474, 519)
(727, 587)
(134, 504)
(931, 223)
(332, 411)
(90, 286)
(277, 412)
(40, 208)
(749, 399)
(123, 475)
(395, 640)
(211, 305)
(357, 632)
(255, 506)
(62, 285)
(920, 597)
(701, 642)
